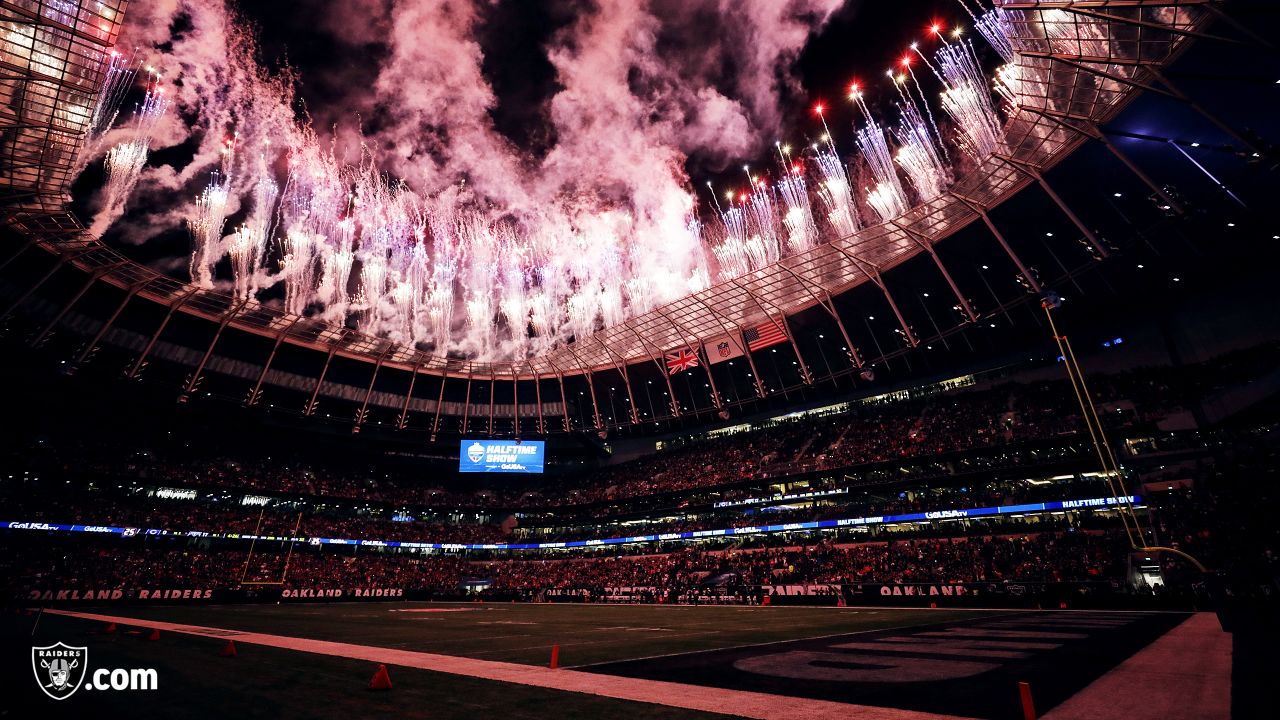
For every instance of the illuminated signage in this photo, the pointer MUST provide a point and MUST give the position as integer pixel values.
(501, 456)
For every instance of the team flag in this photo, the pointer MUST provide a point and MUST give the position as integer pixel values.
(681, 360)
(725, 347)
(764, 335)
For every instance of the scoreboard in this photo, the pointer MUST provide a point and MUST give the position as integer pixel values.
(501, 456)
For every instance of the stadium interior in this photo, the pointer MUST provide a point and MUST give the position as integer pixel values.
(1026, 466)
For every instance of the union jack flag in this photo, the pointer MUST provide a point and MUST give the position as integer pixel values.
(681, 360)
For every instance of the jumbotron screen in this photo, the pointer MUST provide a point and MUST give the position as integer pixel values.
(501, 456)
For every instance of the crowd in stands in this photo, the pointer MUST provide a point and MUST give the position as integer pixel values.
(1191, 518)
(283, 520)
(993, 418)
(1051, 557)
(920, 438)
(214, 513)
(850, 504)
(863, 435)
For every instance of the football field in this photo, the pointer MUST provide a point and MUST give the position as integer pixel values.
(476, 659)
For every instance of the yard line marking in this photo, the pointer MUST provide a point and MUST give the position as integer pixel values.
(483, 637)
(691, 697)
(574, 644)
(430, 610)
(799, 639)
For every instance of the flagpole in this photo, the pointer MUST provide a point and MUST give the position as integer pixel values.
(674, 407)
(711, 381)
(755, 374)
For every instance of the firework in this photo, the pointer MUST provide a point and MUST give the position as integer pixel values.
(917, 155)
(124, 162)
(338, 259)
(836, 192)
(466, 271)
(298, 268)
(802, 233)
(117, 77)
(204, 225)
(887, 197)
(967, 99)
(762, 243)
(245, 247)
(994, 25)
(731, 252)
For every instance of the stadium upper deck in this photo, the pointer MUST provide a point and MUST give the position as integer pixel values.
(1077, 64)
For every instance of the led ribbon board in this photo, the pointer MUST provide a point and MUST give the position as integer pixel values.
(1030, 508)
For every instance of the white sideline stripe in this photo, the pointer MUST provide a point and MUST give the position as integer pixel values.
(781, 642)
(767, 608)
(691, 697)
(1184, 675)
(576, 643)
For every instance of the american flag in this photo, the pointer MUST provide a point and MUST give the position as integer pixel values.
(681, 360)
(764, 335)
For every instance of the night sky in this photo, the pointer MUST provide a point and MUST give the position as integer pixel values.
(860, 42)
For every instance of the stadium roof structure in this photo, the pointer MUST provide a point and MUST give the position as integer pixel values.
(1079, 63)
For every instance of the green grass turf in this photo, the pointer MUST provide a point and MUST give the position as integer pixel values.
(273, 684)
(524, 633)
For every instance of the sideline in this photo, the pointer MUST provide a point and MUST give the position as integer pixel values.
(691, 697)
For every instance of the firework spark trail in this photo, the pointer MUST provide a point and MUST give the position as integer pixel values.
(244, 248)
(763, 243)
(439, 301)
(205, 225)
(117, 79)
(917, 155)
(125, 161)
(994, 26)
(590, 234)
(513, 300)
(802, 233)
(312, 202)
(939, 141)
(836, 191)
(298, 268)
(923, 168)
(123, 164)
(1012, 81)
(887, 198)
(385, 216)
(479, 268)
(731, 252)
(248, 245)
(411, 290)
(339, 257)
(967, 99)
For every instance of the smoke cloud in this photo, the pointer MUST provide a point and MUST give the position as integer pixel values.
(410, 215)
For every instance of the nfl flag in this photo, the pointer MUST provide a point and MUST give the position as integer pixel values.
(764, 335)
(725, 347)
(681, 360)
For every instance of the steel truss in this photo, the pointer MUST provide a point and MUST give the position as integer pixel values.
(1079, 62)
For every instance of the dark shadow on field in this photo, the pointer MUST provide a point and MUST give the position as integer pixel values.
(969, 668)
